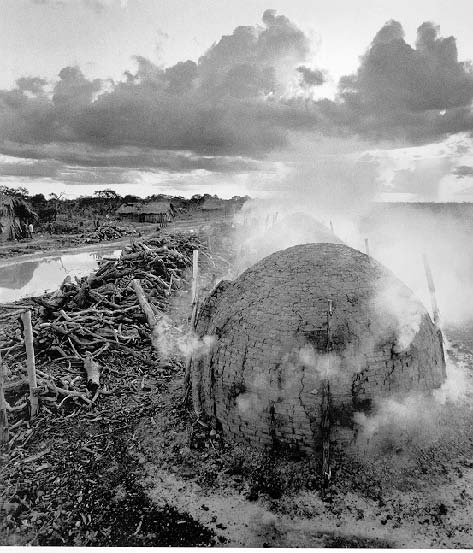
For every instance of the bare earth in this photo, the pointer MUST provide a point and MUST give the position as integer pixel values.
(153, 475)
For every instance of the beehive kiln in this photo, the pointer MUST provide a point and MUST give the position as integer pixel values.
(278, 340)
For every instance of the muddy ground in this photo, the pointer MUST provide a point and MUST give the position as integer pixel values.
(43, 242)
(137, 468)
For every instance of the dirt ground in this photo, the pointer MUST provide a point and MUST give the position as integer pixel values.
(137, 468)
(413, 496)
(41, 243)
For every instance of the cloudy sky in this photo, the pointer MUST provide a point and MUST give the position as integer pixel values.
(235, 97)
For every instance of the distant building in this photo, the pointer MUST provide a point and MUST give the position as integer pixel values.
(216, 206)
(15, 215)
(153, 212)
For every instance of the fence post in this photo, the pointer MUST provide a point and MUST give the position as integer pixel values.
(30, 361)
(431, 285)
(189, 383)
(326, 408)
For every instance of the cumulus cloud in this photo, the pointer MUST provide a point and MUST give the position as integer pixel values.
(229, 102)
(408, 92)
(249, 94)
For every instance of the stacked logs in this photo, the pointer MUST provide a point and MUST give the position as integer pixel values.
(93, 315)
(102, 311)
(107, 232)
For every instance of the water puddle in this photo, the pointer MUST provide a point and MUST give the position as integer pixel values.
(33, 278)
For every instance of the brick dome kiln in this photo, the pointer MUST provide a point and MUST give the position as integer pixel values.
(276, 345)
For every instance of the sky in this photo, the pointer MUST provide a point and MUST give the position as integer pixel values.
(227, 97)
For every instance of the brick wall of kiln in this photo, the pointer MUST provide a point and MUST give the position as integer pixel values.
(251, 383)
(291, 413)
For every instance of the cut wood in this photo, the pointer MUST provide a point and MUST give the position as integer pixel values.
(150, 316)
(4, 429)
(92, 369)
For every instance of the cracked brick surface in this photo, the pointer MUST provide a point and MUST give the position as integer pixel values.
(262, 378)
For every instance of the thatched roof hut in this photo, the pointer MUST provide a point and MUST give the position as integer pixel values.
(152, 212)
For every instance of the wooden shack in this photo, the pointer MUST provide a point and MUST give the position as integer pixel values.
(152, 212)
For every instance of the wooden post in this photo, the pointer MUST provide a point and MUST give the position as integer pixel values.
(326, 407)
(331, 227)
(367, 247)
(431, 285)
(30, 361)
(190, 384)
(195, 275)
(4, 428)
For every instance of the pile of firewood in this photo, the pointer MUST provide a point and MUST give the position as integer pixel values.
(102, 311)
(110, 310)
(107, 232)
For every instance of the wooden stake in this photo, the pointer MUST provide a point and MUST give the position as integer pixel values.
(4, 428)
(30, 361)
(367, 247)
(195, 275)
(326, 407)
(188, 385)
(431, 285)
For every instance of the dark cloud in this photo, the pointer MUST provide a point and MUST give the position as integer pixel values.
(35, 85)
(59, 160)
(311, 77)
(235, 103)
(30, 169)
(227, 103)
(463, 171)
(401, 91)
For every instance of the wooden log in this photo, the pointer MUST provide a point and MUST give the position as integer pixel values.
(4, 429)
(149, 313)
(14, 307)
(92, 369)
(30, 361)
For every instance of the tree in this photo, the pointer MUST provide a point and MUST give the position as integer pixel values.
(16, 192)
(56, 199)
(107, 194)
(109, 200)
